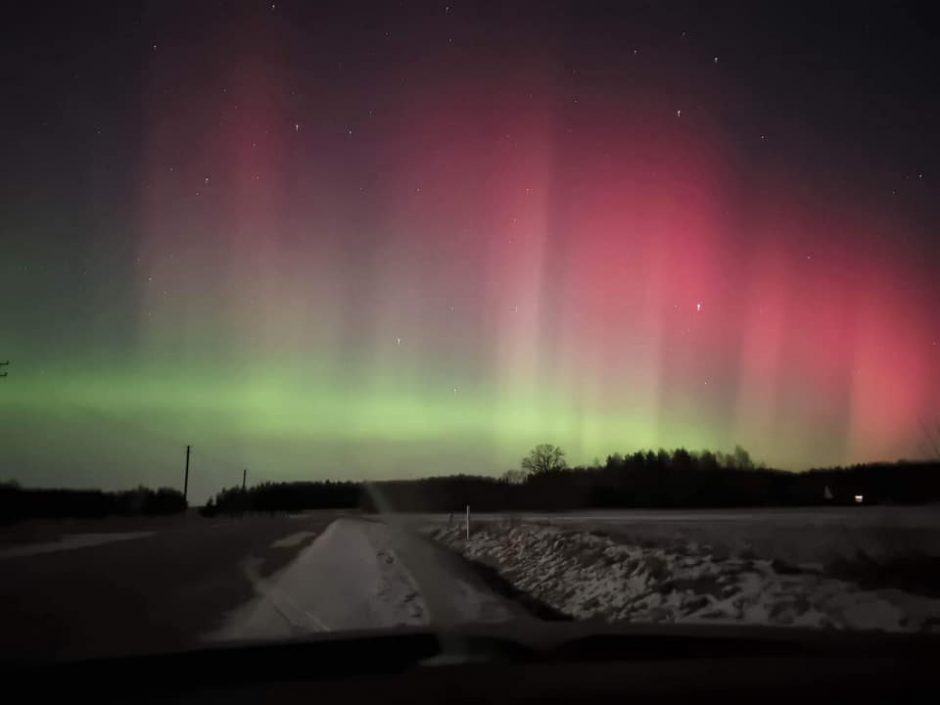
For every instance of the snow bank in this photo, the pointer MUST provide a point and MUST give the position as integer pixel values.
(586, 576)
(359, 574)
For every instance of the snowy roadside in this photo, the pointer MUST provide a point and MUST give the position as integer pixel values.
(589, 576)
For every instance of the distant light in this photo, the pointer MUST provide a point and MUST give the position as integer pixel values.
(859, 499)
(698, 306)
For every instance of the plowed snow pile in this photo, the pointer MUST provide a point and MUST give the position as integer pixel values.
(585, 575)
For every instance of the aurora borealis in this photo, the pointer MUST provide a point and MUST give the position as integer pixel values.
(418, 239)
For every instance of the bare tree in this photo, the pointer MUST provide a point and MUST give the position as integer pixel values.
(545, 457)
(514, 477)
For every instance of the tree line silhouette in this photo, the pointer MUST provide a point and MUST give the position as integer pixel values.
(543, 482)
(18, 503)
(660, 479)
(284, 496)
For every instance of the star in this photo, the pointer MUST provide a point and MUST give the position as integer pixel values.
(206, 180)
(698, 306)
(715, 59)
(678, 113)
(398, 341)
(296, 127)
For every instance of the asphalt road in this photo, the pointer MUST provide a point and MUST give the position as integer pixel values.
(66, 593)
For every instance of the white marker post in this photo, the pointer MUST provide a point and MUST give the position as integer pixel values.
(468, 522)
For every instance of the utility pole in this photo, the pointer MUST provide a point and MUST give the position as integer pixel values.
(244, 478)
(4, 364)
(186, 476)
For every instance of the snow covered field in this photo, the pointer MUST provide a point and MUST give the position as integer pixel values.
(71, 542)
(799, 535)
(670, 567)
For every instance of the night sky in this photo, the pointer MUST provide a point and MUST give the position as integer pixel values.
(367, 241)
